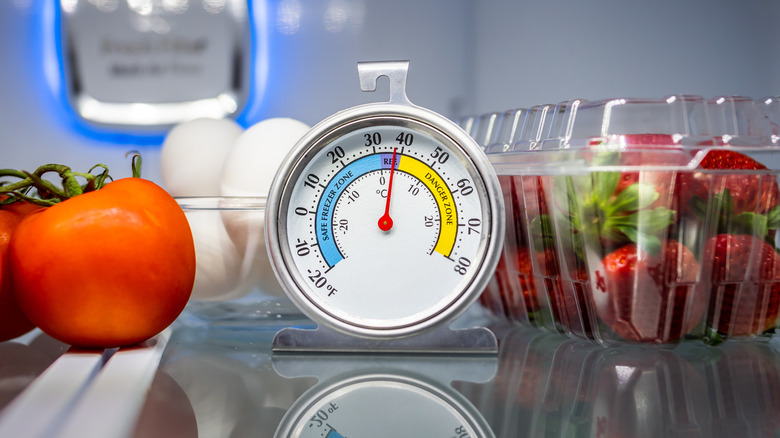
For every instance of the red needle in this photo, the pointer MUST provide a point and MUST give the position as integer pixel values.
(386, 222)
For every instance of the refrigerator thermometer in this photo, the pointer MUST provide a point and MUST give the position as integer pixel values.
(386, 219)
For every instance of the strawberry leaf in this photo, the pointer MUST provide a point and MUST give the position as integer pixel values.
(650, 243)
(604, 184)
(646, 241)
(712, 337)
(601, 213)
(655, 220)
(724, 203)
(744, 223)
(773, 218)
(643, 228)
(648, 221)
(770, 240)
(728, 221)
(698, 207)
(541, 230)
(606, 158)
(629, 231)
(634, 197)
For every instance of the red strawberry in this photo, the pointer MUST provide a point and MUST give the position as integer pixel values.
(736, 196)
(522, 297)
(517, 213)
(649, 298)
(644, 150)
(514, 275)
(531, 217)
(491, 297)
(525, 204)
(751, 193)
(572, 311)
(526, 298)
(744, 272)
(729, 159)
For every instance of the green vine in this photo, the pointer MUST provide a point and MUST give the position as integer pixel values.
(39, 188)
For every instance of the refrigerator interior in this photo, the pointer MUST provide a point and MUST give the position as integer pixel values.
(466, 58)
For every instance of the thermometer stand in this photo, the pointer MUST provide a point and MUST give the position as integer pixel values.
(441, 340)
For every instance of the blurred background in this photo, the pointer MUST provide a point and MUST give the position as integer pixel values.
(297, 58)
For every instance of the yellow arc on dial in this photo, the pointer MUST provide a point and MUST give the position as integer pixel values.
(444, 200)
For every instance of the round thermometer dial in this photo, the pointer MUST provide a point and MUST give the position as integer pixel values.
(385, 221)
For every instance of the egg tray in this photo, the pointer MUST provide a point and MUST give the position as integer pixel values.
(638, 221)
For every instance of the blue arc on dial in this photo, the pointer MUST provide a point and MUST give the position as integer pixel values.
(331, 194)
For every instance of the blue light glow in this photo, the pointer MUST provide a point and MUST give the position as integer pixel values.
(49, 62)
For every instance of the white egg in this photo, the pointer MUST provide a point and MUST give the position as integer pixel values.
(258, 153)
(246, 229)
(249, 171)
(219, 272)
(193, 154)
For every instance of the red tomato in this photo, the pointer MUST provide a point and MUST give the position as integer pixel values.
(107, 268)
(13, 323)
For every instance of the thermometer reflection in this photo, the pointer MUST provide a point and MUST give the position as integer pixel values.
(384, 398)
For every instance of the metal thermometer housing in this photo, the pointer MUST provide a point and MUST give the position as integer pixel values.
(385, 220)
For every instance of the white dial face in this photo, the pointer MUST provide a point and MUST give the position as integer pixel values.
(386, 223)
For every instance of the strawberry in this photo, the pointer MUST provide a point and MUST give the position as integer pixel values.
(572, 307)
(626, 214)
(744, 274)
(531, 216)
(515, 277)
(649, 298)
(743, 202)
(525, 203)
(565, 291)
(528, 300)
(491, 297)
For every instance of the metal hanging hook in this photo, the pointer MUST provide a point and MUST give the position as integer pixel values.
(395, 71)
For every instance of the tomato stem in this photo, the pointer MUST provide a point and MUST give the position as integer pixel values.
(47, 192)
(135, 163)
(100, 179)
(46, 189)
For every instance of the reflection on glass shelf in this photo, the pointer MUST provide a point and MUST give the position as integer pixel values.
(550, 386)
(214, 385)
(23, 360)
(229, 384)
(540, 385)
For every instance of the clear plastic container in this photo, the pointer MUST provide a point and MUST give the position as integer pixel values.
(235, 286)
(640, 220)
